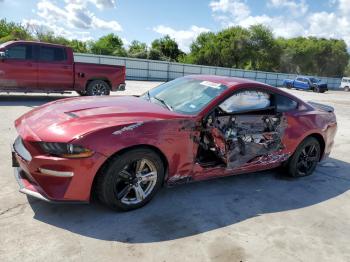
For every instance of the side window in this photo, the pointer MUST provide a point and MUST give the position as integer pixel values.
(299, 79)
(284, 104)
(21, 52)
(245, 101)
(52, 54)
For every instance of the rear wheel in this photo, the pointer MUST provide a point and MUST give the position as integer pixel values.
(130, 180)
(97, 88)
(304, 160)
(346, 89)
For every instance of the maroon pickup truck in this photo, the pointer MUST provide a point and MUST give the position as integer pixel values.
(27, 66)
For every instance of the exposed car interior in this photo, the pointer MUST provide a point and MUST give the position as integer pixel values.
(246, 127)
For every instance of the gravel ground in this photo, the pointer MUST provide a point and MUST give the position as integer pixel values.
(253, 217)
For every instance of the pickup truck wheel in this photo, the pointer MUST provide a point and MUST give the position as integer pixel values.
(346, 89)
(316, 89)
(81, 93)
(98, 88)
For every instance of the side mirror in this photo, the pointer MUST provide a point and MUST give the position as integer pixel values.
(2, 55)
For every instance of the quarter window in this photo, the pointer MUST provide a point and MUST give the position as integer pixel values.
(52, 54)
(246, 101)
(284, 104)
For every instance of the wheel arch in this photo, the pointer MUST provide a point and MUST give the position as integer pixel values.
(105, 79)
(320, 139)
(124, 150)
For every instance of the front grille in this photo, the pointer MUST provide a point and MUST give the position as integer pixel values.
(20, 149)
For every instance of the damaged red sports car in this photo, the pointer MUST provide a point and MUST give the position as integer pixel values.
(124, 148)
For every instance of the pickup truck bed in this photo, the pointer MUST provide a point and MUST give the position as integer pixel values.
(27, 66)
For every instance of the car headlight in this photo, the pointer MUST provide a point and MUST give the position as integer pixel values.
(65, 150)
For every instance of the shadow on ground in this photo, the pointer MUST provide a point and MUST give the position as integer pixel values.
(199, 207)
(28, 100)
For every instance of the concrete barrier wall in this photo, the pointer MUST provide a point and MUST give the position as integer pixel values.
(143, 69)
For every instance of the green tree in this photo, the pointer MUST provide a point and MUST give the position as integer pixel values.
(204, 50)
(13, 31)
(110, 44)
(155, 54)
(265, 52)
(138, 50)
(168, 48)
(313, 56)
(234, 47)
(347, 70)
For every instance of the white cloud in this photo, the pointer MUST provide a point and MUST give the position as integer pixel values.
(183, 37)
(74, 17)
(100, 4)
(237, 8)
(344, 6)
(34, 24)
(294, 18)
(296, 7)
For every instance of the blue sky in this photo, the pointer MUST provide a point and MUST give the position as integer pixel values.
(146, 20)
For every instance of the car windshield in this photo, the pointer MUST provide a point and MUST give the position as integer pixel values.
(314, 80)
(185, 95)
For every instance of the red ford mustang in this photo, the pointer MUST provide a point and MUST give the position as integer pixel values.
(123, 149)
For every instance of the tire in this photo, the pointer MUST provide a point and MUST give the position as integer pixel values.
(119, 186)
(81, 93)
(289, 86)
(98, 88)
(305, 158)
(346, 89)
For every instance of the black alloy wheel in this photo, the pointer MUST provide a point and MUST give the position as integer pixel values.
(305, 159)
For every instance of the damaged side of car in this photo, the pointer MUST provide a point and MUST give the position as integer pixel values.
(245, 129)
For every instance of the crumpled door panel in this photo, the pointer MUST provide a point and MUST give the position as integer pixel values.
(242, 139)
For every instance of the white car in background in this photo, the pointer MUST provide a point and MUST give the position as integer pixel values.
(345, 84)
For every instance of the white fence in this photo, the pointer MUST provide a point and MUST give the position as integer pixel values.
(142, 69)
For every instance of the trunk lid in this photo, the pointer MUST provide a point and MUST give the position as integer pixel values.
(321, 107)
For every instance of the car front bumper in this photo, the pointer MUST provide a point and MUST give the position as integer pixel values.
(54, 179)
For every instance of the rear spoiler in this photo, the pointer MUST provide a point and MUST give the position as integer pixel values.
(322, 107)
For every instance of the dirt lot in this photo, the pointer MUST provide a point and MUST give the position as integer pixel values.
(253, 217)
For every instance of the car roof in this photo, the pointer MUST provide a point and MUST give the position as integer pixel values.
(234, 82)
(35, 42)
(226, 80)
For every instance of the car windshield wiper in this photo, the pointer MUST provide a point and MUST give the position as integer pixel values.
(164, 103)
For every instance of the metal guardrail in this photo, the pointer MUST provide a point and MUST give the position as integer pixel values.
(152, 70)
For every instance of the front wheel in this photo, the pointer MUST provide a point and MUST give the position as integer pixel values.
(130, 180)
(316, 89)
(98, 88)
(305, 158)
(346, 89)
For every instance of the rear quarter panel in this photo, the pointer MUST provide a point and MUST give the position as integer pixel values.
(310, 122)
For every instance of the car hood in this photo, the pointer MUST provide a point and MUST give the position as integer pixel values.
(68, 119)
